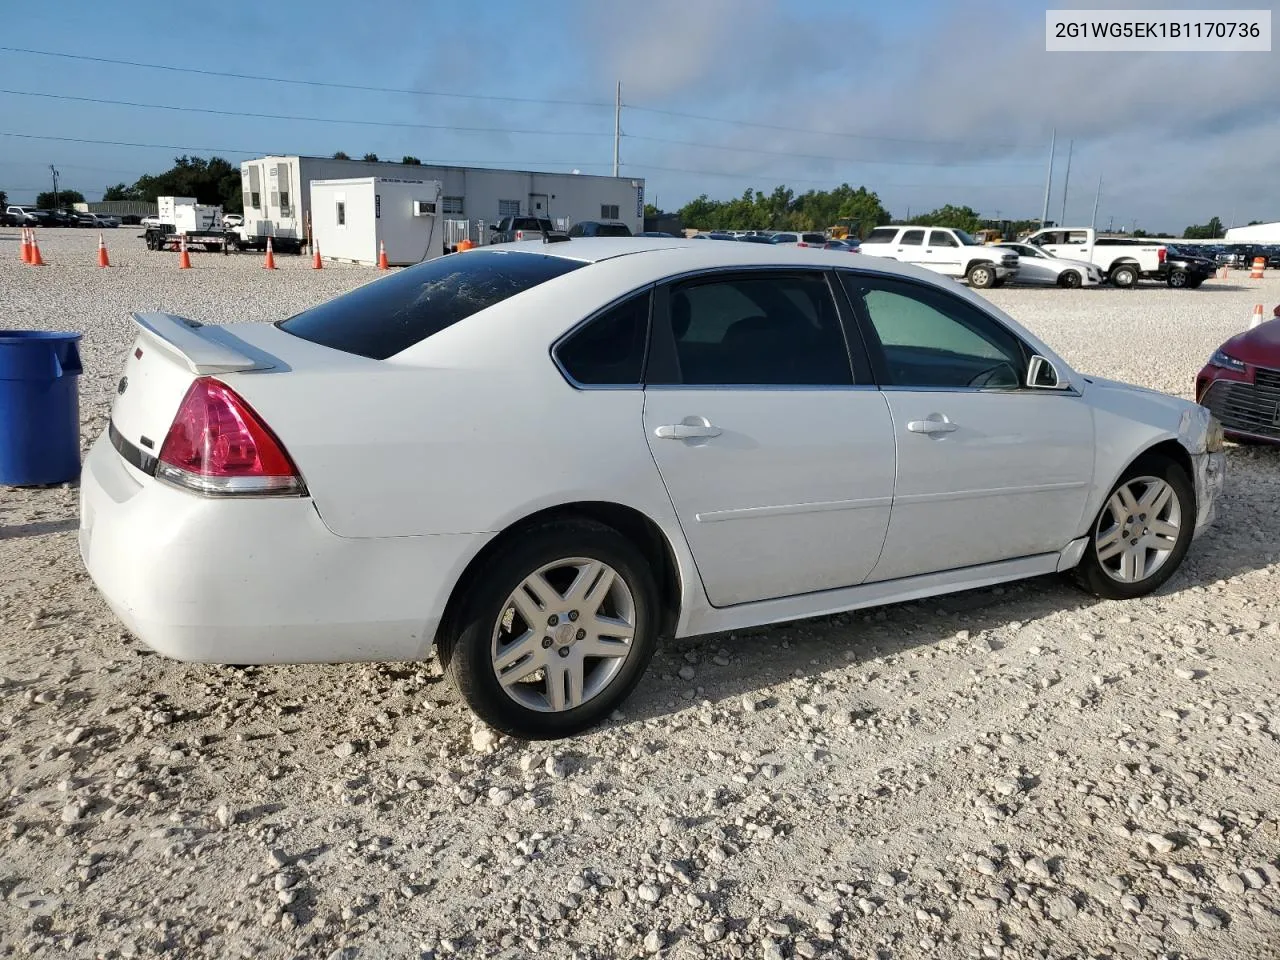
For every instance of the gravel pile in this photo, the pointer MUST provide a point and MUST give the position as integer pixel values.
(1010, 773)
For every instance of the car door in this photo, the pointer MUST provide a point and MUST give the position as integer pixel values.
(988, 469)
(778, 459)
(1033, 264)
(943, 250)
(910, 248)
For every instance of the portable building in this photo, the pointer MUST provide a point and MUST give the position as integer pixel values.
(352, 219)
(277, 194)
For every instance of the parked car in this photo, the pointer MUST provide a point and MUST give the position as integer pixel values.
(1036, 266)
(1124, 261)
(659, 234)
(61, 218)
(950, 252)
(848, 246)
(510, 229)
(754, 238)
(150, 221)
(1240, 385)
(599, 228)
(1186, 267)
(25, 216)
(799, 239)
(229, 515)
(232, 221)
(99, 220)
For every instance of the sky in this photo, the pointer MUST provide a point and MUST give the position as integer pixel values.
(925, 102)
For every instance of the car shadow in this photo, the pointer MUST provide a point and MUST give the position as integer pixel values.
(730, 666)
(39, 529)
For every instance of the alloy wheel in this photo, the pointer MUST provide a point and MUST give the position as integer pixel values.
(1138, 529)
(563, 634)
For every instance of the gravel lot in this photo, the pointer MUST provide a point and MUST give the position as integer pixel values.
(1016, 772)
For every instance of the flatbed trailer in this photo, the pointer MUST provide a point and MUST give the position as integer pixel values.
(166, 237)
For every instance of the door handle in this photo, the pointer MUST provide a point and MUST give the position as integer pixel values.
(928, 251)
(686, 431)
(934, 424)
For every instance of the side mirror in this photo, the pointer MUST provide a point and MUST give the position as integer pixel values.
(493, 226)
(1042, 375)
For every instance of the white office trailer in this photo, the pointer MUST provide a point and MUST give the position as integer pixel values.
(352, 219)
(278, 201)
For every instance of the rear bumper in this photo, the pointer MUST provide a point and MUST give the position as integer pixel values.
(256, 580)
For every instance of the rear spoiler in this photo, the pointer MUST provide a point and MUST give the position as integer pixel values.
(182, 339)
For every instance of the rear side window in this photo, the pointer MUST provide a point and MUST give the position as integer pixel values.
(813, 238)
(387, 316)
(882, 235)
(912, 238)
(609, 349)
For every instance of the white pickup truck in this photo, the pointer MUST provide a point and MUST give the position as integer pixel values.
(1123, 261)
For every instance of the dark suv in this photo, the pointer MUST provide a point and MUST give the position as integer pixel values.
(599, 228)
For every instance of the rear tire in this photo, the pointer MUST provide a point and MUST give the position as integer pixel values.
(1135, 546)
(1124, 276)
(981, 275)
(491, 629)
(1178, 279)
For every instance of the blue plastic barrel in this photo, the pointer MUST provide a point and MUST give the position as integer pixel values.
(39, 407)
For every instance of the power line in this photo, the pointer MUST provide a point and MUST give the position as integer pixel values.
(811, 156)
(759, 176)
(506, 161)
(808, 130)
(282, 116)
(305, 83)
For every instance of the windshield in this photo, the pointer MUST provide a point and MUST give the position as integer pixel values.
(387, 316)
(967, 240)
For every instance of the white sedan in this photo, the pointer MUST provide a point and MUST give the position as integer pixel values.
(541, 459)
(1036, 266)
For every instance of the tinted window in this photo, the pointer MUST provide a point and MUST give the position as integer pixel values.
(776, 329)
(382, 318)
(912, 238)
(784, 238)
(613, 230)
(1050, 238)
(940, 238)
(882, 235)
(931, 338)
(609, 349)
(813, 238)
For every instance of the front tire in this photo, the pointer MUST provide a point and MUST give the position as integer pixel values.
(1124, 276)
(1071, 279)
(981, 275)
(1142, 532)
(555, 631)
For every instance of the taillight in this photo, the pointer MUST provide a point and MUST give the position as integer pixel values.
(1161, 253)
(218, 446)
(519, 234)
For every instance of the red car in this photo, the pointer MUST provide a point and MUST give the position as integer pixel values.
(1241, 384)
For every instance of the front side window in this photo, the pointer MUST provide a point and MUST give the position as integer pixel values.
(912, 238)
(931, 338)
(609, 349)
(775, 329)
(940, 238)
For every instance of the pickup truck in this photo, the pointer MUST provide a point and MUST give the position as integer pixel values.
(519, 228)
(1122, 260)
(946, 250)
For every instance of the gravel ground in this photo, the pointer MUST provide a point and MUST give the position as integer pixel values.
(1010, 773)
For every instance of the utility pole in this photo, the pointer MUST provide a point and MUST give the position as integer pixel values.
(1093, 224)
(55, 186)
(1066, 181)
(1111, 224)
(1044, 216)
(617, 125)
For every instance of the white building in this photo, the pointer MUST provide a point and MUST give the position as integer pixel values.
(352, 220)
(1257, 233)
(277, 193)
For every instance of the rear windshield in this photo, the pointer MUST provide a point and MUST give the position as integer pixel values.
(531, 223)
(387, 316)
(613, 230)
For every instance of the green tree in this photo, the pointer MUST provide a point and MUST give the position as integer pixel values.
(1203, 231)
(4, 199)
(65, 198)
(1254, 222)
(212, 181)
(411, 161)
(119, 192)
(371, 158)
(651, 211)
(782, 209)
(340, 155)
(958, 218)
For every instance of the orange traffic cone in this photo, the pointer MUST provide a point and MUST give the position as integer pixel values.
(184, 258)
(24, 253)
(269, 263)
(1259, 264)
(1256, 320)
(102, 253)
(36, 259)
(464, 245)
(382, 256)
(315, 259)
